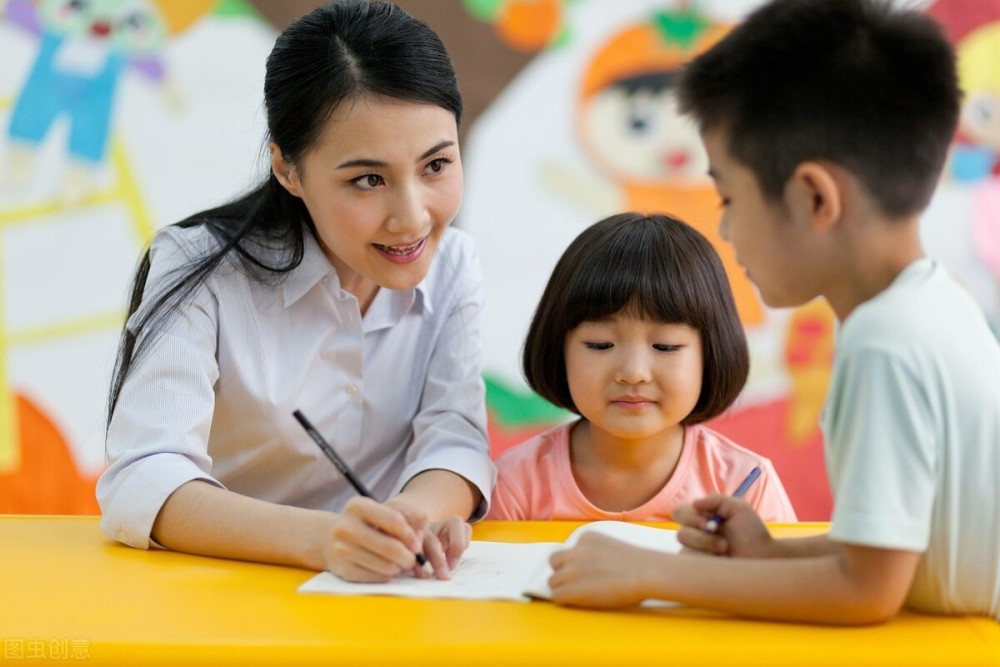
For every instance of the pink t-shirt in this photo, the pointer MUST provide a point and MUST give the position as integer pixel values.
(536, 482)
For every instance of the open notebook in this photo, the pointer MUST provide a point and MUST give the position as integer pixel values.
(498, 570)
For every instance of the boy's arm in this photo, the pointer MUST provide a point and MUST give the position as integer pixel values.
(851, 585)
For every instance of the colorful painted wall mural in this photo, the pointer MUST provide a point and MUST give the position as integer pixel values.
(116, 117)
(590, 126)
(120, 116)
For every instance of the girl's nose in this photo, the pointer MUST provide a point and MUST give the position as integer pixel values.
(634, 369)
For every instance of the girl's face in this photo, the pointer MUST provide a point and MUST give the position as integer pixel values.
(382, 185)
(633, 378)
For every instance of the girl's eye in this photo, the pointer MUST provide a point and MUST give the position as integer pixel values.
(723, 202)
(437, 166)
(664, 347)
(368, 181)
(598, 346)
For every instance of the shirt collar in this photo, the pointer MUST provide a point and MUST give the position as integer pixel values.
(315, 266)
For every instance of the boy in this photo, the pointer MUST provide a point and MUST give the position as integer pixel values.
(827, 123)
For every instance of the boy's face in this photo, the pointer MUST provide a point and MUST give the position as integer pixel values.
(771, 246)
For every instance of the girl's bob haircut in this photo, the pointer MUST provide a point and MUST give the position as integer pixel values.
(649, 266)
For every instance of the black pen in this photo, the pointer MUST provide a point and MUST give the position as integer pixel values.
(713, 524)
(341, 466)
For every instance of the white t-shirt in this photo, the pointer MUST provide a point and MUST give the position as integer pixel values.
(912, 427)
(396, 393)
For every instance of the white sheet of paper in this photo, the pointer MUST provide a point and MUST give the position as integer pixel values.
(499, 570)
(486, 571)
(646, 537)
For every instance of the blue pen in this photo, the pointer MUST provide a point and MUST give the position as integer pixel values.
(713, 524)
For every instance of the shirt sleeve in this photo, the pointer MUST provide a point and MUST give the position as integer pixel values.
(157, 437)
(450, 430)
(881, 454)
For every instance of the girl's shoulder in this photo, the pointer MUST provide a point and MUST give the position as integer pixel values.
(530, 452)
(712, 444)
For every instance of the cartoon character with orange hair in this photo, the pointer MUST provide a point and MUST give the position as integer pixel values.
(629, 126)
(85, 46)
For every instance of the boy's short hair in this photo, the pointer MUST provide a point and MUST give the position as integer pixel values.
(656, 268)
(867, 86)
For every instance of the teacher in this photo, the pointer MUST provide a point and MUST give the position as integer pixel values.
(337, 288)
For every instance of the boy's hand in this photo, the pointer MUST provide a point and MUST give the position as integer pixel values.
(600, 572)
(742, 533)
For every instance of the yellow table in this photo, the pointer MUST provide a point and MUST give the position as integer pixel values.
(67, 592)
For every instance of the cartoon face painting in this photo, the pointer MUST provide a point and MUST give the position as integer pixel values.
(131, 26)
(635, 130)
(628, 119)
(981, 117)
(974, 29)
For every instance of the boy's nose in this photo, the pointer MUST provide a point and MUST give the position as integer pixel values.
(724, 229)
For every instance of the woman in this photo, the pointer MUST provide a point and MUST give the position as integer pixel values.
(335, 287)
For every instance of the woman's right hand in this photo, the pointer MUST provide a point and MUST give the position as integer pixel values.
(742, 534)
(373, 542)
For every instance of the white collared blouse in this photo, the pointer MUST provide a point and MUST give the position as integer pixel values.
(396, 392)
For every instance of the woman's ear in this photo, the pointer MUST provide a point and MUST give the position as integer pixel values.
(284, 171)
(815, 193)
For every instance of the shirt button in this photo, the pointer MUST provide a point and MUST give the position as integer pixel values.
(352, 390)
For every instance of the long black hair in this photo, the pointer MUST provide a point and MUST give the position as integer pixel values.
(341, 51)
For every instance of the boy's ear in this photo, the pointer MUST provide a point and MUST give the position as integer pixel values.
(284, 171)
(816, 194)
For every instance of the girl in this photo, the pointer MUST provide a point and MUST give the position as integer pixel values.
(637, 333)
(336, 287)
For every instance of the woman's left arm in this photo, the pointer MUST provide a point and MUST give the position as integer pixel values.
(448, 467)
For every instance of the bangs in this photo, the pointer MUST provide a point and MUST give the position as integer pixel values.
(641, 275)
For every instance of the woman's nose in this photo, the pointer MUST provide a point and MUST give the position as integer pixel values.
(409, 211)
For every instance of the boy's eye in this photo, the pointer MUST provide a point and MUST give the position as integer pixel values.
(665, 347)
(598, 346)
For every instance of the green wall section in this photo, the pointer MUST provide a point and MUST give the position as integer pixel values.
(513, 407)
(234, 8)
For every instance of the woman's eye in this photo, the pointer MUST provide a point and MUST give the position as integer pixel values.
(598, 346)
(437, 166)
(368, 181)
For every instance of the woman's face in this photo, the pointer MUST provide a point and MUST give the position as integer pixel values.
(382, 184)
